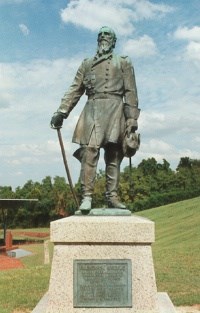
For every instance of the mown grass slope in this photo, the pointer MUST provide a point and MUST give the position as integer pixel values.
(177, 250)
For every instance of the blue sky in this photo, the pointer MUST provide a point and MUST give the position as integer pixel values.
(42, 44)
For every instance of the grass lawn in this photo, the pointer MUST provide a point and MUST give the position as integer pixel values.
(176, 258)
(22, 288)
(177, 250)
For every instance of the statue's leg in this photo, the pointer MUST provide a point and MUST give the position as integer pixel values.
(113, 157)
(89, 160)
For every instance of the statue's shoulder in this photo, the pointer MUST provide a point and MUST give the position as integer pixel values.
(87, 63)
(125, 58)
(88, 60)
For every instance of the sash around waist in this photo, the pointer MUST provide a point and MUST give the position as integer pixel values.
(104, 95)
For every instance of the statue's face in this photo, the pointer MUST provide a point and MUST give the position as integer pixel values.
(106, 41)
(105, 38)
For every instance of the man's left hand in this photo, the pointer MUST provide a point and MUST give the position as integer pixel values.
(131, 126)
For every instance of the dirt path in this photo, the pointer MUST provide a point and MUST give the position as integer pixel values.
(9, 263)
(188, 309)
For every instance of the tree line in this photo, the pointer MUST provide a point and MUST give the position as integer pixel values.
(150, 184)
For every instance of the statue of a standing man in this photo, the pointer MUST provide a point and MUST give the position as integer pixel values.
(110, 111)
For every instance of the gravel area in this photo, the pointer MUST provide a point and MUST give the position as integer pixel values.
(180, 309)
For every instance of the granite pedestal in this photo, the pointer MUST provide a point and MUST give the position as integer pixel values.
(103, 264)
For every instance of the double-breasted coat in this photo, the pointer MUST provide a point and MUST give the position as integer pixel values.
(109, 83)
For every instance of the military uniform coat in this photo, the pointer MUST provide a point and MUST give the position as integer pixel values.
(109, 83)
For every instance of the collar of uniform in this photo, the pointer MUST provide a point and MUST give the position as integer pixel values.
(98, 59)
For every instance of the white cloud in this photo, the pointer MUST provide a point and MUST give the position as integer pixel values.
(152, 120)
(197, 139)
(158, 147)
(29, 95)
(37, 74)
(120, 15)
(24, 29)
(5, 100)
(33, 153)
(193, 51)
(19, 173)
(142, 47)
(192, 34)
(147, 9)
(94, 14)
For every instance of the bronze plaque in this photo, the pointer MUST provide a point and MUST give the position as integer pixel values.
(102, 283)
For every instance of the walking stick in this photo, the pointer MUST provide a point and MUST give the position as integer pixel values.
(66, 167)
(131, 184)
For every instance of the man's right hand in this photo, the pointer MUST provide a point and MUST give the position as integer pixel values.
(57, 120)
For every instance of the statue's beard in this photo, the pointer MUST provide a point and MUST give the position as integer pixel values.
(104, 47)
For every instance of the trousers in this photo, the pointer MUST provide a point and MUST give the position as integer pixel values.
(89, 157)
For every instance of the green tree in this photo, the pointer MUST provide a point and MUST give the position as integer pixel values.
(6, 192)
(149, 166)
(99, 190)
(184, 162)
(63, 198)
(148, 185)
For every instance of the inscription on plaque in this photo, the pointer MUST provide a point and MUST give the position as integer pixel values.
(102, 283)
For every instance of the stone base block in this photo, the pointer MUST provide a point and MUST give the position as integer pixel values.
(61, 289)
(164, 304)
(121, 247)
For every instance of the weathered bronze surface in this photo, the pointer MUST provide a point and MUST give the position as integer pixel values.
(110, 112)
(106, 212)
(102, 283)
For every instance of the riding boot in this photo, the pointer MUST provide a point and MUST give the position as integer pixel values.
(89, 160)
(113, 157)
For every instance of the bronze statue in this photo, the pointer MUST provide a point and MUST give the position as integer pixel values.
(110, 112)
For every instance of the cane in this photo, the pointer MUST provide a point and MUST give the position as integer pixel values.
(66, 167)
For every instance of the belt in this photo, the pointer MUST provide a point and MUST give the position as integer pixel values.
(104, 95)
